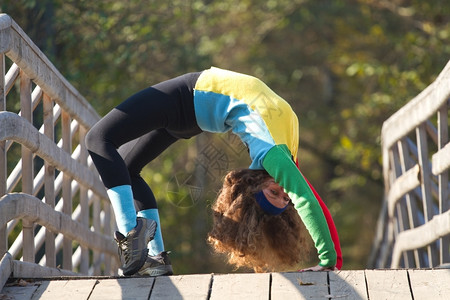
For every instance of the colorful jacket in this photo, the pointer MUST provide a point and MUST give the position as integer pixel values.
(226, 100)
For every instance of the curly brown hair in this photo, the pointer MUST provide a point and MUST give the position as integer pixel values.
(250, 237)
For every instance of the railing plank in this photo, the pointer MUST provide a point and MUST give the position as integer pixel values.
(10, 77)
(441, 160)
(405, 183)
(19, 205)
(14, 128)
(421, 236)
(18, 46)
(418, 110)
(5, 268)
(22, 269)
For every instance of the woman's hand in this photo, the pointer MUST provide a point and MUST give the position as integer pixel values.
(319, 268)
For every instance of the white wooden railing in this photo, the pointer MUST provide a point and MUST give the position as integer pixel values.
(414, 225)
(54, 210)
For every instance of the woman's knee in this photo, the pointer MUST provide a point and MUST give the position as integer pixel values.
(93, 138)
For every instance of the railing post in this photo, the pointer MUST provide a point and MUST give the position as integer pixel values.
(49, 181)
(97, 228)
(3, 175)
(3, 164)
(402, 213)
(84, 203)
(107, 230)
(406, 164)
(425, 182)
(66, 189)
(443, 180)
(27, 166)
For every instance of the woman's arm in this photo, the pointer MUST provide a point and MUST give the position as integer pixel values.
(279, 165)
(331, 226)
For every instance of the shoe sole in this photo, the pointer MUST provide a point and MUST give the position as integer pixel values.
(157, 271)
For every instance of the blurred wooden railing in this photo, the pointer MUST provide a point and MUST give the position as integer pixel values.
(53, 207)
(414, 225)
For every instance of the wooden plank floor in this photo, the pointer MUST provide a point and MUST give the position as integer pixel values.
(363, 284)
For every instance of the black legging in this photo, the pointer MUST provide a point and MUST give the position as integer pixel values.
(143, 126)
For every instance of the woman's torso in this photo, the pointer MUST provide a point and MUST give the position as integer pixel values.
(226, 100)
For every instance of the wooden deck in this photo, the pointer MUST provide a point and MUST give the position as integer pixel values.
(365, 284)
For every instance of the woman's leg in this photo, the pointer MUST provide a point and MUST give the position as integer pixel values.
(167, 105)
(149, 122)
(115, 129)
(136, 155)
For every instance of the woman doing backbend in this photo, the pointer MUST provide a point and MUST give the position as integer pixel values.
(260, 211)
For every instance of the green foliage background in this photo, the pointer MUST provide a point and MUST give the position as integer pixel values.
(345, 67)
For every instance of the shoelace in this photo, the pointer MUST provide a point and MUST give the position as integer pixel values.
(123, 248)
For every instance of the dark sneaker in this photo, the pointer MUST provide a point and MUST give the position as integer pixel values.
(133, 249)
(157, 265)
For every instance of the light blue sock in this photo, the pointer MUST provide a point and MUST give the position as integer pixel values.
(156, 245)
(121, 198)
